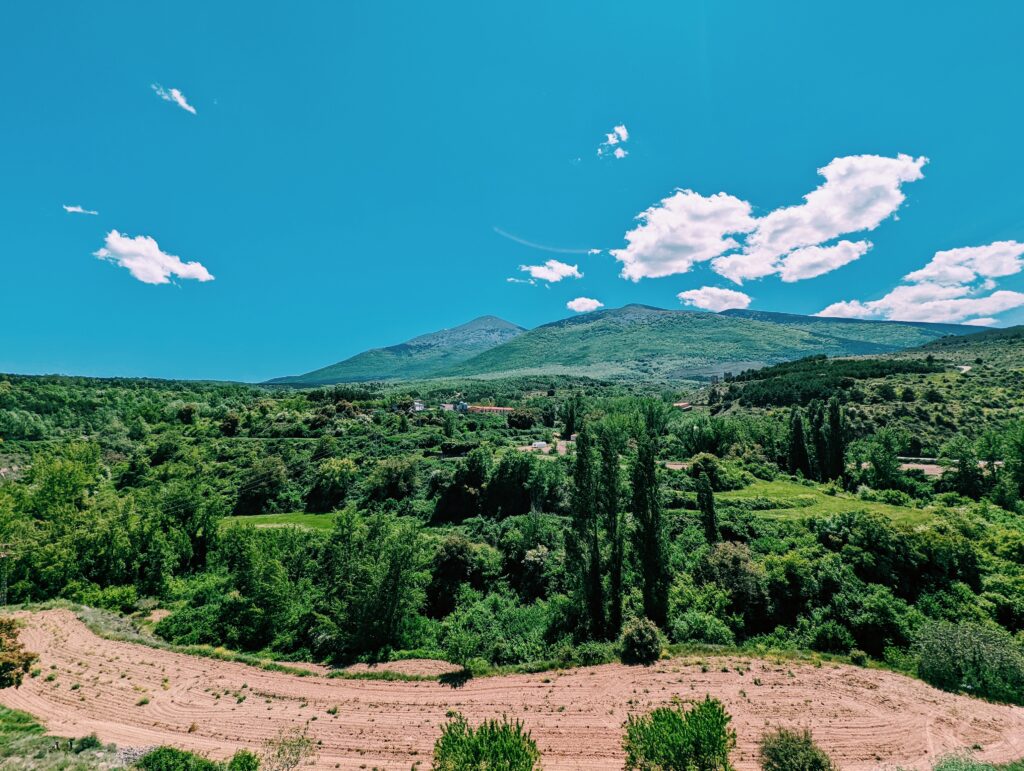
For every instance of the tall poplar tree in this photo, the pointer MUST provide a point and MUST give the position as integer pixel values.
(798, 458)
(584, 543)
(706, 505)
(609, 495)
(836, 440)
(650, 542)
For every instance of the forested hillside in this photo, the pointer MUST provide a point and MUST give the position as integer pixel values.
(639, 341)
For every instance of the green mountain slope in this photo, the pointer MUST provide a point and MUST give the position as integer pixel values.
(641, 341)
(426, 356)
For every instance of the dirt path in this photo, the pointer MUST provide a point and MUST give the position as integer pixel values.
(866, 719)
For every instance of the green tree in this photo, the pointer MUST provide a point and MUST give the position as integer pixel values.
(609, 497)
(965, 477)
(332, 481)
(706, 505)
(836, 439)
(799, 461)
(572, 413)
(883, 458)
(650, 540)
(14, 659)
(583, 546)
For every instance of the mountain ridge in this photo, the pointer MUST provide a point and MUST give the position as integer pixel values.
(634, 341)
(418, 357)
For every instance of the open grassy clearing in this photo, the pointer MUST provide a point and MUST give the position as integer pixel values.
(295, 518)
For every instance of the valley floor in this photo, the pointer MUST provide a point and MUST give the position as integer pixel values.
(138, 696)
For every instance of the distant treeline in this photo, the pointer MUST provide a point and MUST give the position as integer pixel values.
(818, 377)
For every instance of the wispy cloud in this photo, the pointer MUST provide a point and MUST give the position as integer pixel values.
(173, 95)
(584, 304)
(713, 298)
(76, 209)
(542, 247)
(613, 143)
(552, 271)
(145, 260)
(957, 285)
(796, 242)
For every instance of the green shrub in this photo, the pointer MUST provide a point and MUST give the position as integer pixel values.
(243, 760)
(640, 642)
(964, 762)
(171, 759)
(858, 657)
(493, 745)
(591, 653)
(984, 661)
(694, 626)
(86, 743)
(785, 750)
(674, 739)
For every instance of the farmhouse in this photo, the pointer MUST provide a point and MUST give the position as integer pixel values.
(683, 406)
(489, 409)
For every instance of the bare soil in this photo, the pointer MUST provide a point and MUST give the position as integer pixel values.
(866, 719)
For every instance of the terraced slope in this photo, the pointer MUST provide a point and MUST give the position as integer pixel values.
(867, 719)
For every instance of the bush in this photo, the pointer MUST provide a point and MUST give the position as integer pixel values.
(671, 739)
(86, 743)
(640, 642)
(785, 750)
(984, 661)
(494, 744)
(694, 626)
(171, 759)
(243, 760)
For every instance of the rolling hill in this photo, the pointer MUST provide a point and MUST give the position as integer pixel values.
(426, 356)
(635, 341)
(641, 341)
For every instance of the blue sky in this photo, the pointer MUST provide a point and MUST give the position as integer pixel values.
(349, 169)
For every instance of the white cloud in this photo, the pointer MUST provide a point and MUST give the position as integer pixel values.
(618, 136)
(552, 271)
(173, 95)
(960, 266)
(584, 304)
(955, 286)
(145, 260)
(858, 194)
(76, 209)
(986, 321)
(680, 231)
(811, 261)
(713, 298)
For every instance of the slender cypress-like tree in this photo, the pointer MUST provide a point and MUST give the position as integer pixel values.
(609, 494)
(818, 439)
(706, 505)
(649, 537)
(836, 440)
(798, 459)
(585, 552)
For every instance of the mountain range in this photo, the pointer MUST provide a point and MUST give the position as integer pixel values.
(635, 341)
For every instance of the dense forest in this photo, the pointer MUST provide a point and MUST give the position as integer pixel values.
(589, 522)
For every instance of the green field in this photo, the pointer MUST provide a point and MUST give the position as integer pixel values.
(295, 519)
(798, 501)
